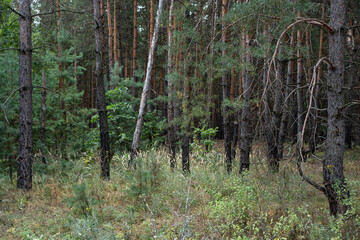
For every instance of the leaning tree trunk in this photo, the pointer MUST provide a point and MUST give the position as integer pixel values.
(170, 113)
(140, 119)
(100, 90)
(334, 179)
(24, 168)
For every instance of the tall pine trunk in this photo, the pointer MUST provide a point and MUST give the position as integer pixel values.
(100, 89)
(110, 42)
(170, 113)
(24, 167)
(246, 126)
(225, 95)
(334, 179)
(134, 49)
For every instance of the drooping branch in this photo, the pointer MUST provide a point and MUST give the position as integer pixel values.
(301, 139)
(313, 21)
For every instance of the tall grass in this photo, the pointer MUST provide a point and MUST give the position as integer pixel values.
(70, 201)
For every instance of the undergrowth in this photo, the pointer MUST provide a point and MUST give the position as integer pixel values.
(70, 201)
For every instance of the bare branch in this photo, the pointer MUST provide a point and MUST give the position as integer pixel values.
(313, 21)
(301, 139)
(55, 11)
(6, 49)
(14, 11)
(4, 104)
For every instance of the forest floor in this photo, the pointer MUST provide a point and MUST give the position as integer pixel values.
(70, 201)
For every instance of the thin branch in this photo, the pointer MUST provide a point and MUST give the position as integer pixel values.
(313, 21)
(354, 26)
(3, 106)
(55, 11)
(51, 90)
(6, 49)
(218, 33)
(301, 139)
(14, 11)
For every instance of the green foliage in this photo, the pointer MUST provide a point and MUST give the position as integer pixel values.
(204, 137)
(144, 178)
(122, 116)
(234, 206)
(81, 203)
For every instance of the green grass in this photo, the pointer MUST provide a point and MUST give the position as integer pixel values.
(70, 201)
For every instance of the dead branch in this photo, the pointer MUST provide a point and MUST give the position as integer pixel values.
(301, 139)
(313, 21)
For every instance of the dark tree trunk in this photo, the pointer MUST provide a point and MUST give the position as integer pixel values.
(24, 168)
(43, 118)
(286, 104)
(235, 135)
(246, 128)
(100, 90)
(299, 83)
(351, 94)
(273, 117)
(140, 119)
(110, 43)
(225, 95)
(171, 130)
(185, 153)
(334, 179)
(134, 49)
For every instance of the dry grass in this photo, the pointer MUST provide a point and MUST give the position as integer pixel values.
(169, 205)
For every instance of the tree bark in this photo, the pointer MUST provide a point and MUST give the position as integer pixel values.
(100, 90)
(245, 129)
(110, 41)
(140, 119)
(299, 83)
(334, 179)
(286, 107)
(170, 113)
(43, 118)
(225, 95)
(134, 50)
(24, 167)
(210, 99)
